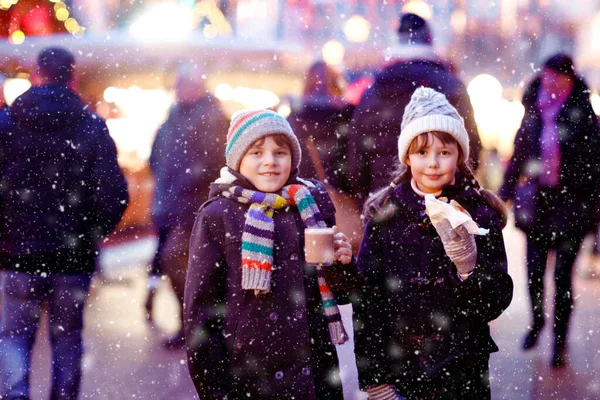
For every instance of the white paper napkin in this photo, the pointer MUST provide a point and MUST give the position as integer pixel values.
(439, 210)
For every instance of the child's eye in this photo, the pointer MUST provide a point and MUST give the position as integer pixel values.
(445, 153)
(421, 152)
(282, 153)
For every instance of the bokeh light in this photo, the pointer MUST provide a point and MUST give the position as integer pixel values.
(71, 24)
(163, 22)
(418, 7)
(357, 29)
(497, 119)
(247, 97)
(62, 14)
(595, 100)
(484, 88)
(15, 87)
(333, 52)
(17, 37)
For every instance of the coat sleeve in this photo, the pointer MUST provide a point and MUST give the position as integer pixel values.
(357, 155)
(201, 163)
(205, 155)
(300, 127)
(204, 310)
(159, 147)
(521, 154)
(591, 160)
(465, 109)
(108, 186)
(488, 291)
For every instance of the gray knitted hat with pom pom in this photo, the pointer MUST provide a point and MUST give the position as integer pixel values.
(430, 111)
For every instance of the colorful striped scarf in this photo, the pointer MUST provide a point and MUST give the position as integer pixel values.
(257, 243)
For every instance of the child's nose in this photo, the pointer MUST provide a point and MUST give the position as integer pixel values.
(270, 158)
(433, 161)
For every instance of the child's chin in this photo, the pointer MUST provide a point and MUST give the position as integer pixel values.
(270, 187)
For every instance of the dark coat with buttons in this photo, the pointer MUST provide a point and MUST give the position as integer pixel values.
(574, 209)
(271, 346)
(417, 325)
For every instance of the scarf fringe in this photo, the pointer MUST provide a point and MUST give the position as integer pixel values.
(253, 278)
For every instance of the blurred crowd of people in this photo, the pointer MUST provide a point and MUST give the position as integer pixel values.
(62, 193)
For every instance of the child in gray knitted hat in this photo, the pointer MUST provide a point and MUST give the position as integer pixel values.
(430, 289)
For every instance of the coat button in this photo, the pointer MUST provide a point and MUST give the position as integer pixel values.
(278, 375)
(294, 257)
(299, 315)
(238, 346)
(306, 371)
(273, 316)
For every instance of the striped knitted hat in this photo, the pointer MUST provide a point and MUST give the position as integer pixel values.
(430, 111)
(247, 126)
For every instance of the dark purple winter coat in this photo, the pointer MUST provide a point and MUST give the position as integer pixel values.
(417, 326)
(273, 346)
(327, 124)
(574, 210)
(61, 189)
(375, 127)
(187, 155)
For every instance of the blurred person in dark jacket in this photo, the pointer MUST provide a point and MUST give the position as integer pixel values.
(61, 192)
(322, 118)
(376, 121)
(556, 153)
(186, 156)
(321, 124)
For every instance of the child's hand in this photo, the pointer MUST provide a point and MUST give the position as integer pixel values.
(459, 245)
(342, 247)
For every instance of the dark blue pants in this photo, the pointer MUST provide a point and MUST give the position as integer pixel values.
(23, 296)
(537, 255)
(163, 234)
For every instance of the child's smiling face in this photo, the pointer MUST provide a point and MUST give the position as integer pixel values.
(267, 164)
(433, 163)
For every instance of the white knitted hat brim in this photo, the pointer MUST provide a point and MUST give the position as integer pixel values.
(430, 123)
